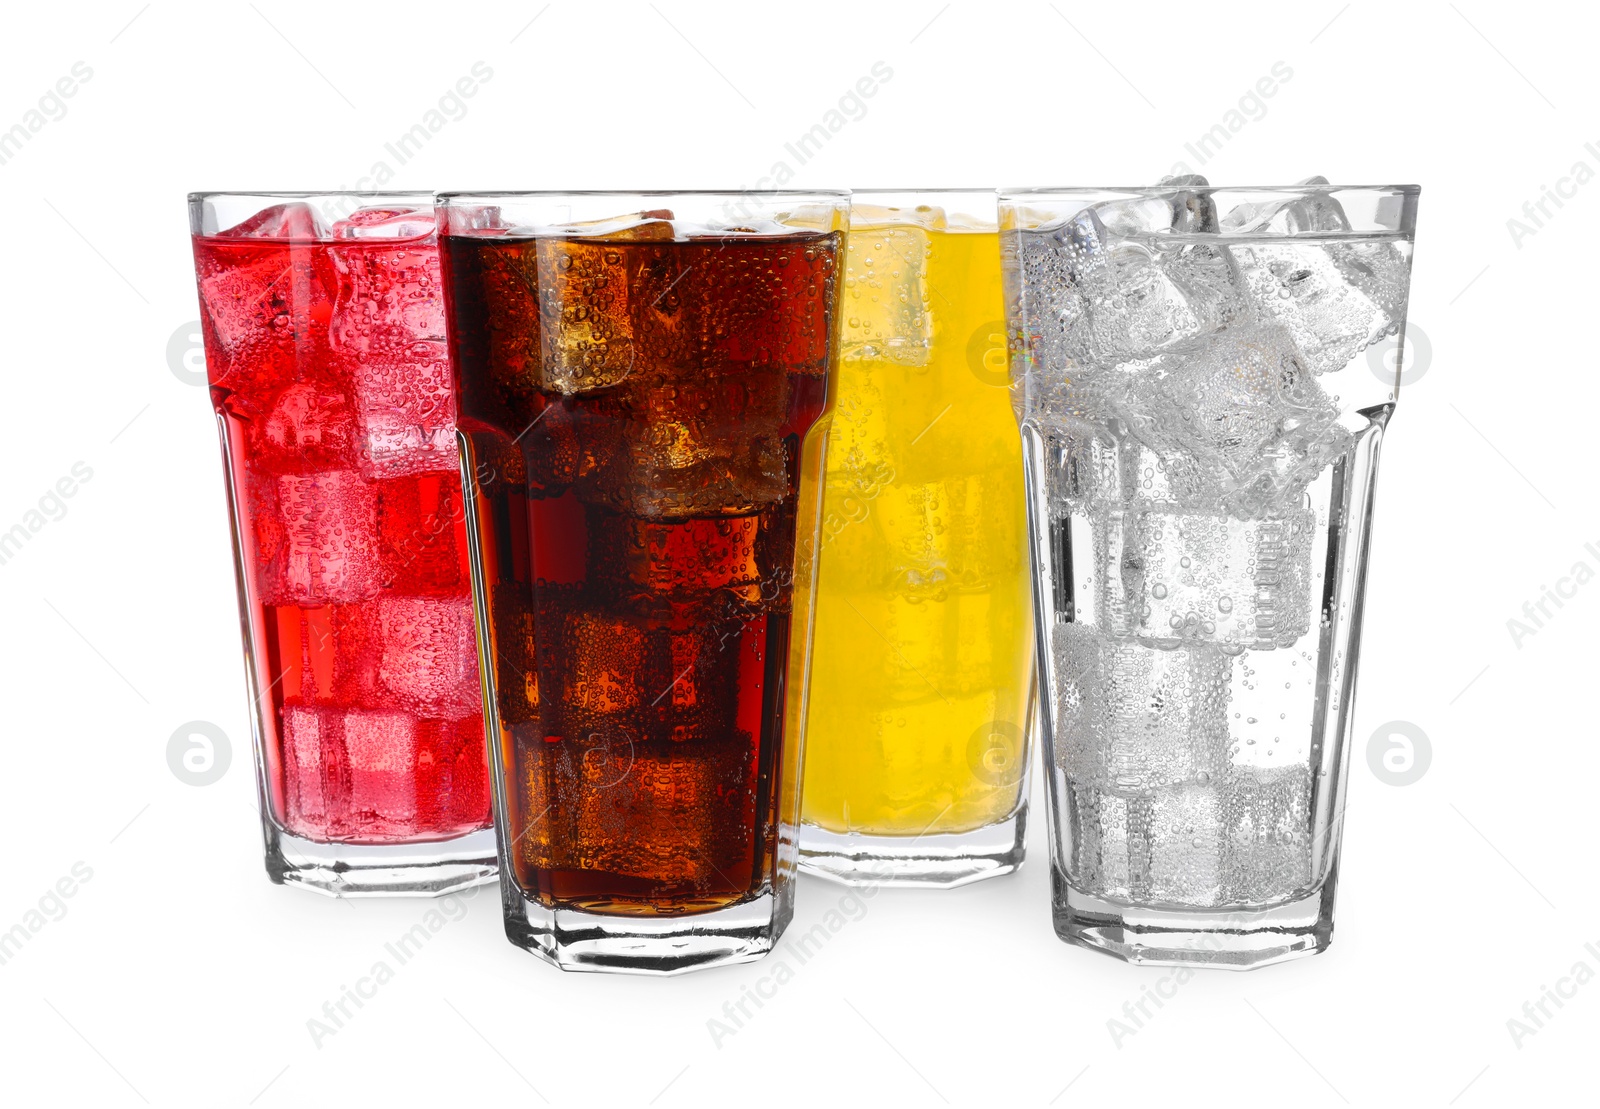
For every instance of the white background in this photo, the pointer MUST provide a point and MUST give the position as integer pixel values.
(179, 976)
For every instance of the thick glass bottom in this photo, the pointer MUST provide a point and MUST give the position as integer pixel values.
(929, 860)
(381, 870)
(572, 939)
(1232, 937)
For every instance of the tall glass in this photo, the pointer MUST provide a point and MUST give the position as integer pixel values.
(1201, 424)
(324, 336)
(638, 377)
(922, 674)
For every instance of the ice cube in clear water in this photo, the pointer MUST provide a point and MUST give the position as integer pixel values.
(887, 309)
(1299, 287)
(1084, 467)
(1186, 844)
(1238, 420)
(1174, 578)
(1111, 853)
(1134, 718)
(1267, 821)
(1106, 297)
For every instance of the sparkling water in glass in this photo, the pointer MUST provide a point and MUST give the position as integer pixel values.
(1200, 378)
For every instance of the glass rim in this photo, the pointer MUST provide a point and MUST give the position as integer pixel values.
(964, 190)
(445, 198)
(367, 194)
(1167, 190)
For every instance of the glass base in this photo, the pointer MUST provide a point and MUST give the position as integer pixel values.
(663, 945)
(928, 861)
(382, 870)
(1234, 937)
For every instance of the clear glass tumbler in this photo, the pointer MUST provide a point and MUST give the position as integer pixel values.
(638, 377)
(921, 693)
(324, 337)
(1198, 377)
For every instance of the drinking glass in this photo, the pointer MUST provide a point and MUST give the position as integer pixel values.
(638, 375)
(324, 336)
(921, 694)
(1202, 402)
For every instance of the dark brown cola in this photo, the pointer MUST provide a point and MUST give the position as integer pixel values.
(635, 401)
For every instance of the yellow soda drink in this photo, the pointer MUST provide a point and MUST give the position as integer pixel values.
(921, 683)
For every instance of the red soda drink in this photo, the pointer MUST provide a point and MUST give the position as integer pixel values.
(326, 357)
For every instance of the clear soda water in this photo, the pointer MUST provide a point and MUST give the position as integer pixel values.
(1200, 413)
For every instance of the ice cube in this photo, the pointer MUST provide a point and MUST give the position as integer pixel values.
(1239, 419)
(264, 316)
(585, 322)
(389, 295)
(692, 446)
(1083, 467)
(295, 220)
(1134, 718)
(354, 774)
(1108, 299)
(406, 413)
(1172, 578)
(381, 748)
(388, 325)
(1299, 287)
(675, 557)
(1267, 816)
(1186, 844)
(387, 224)
(316, 537)
(671, 814)
(315, 788)
(726, 307)
(427, 654)
(888, 308)
(1111, 852)
(309, 427)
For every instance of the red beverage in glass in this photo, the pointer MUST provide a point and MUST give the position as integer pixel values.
(326, 356)
(636, 397)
